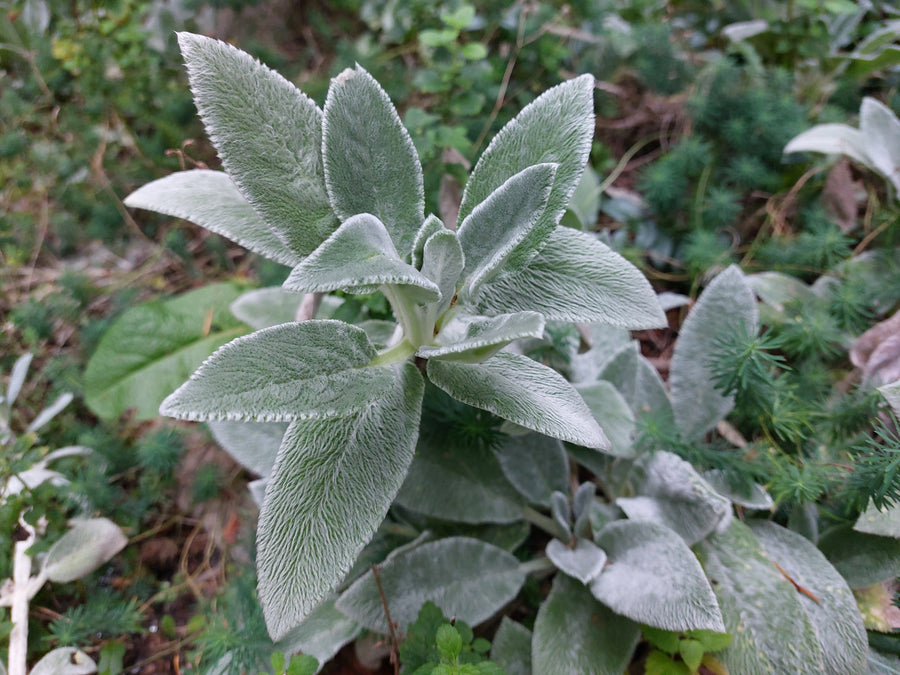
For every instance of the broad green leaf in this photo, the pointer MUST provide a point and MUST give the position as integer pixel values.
(556, 127)
(832, 139)
(573, 633)
(284, 373)
(253, 445)
(884, 523)
(584, 561)
(210, 199)
(697, 404)
(475, 338)
(90, 543)
(154, 347)
(575, 277)
(511, 647)
(835, 616)
(652, 577)
(500, 223)
(612, 412)
(442, 262)
(636, 380)
(359, 253)
(331, 487)
(891, 393)
(371, 165)
(462, 483)
(673, 494)
(522, 391)
(881, 132)
(265, 307)
(269, 136)
(536, 465)
(762, 610)
(465, 578)
(863, 559)
(65, 661)
(321, 635)
(750, 496)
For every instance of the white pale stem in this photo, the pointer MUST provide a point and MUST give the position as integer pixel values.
(18, 637)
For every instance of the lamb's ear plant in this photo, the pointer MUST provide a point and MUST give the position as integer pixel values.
(337, 193)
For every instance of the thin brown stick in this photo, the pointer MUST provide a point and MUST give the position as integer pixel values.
(799, 588)
(395, 656)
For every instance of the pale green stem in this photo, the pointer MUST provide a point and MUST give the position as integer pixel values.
(546, 523)
(397, 353)
(406, 314)
(537, 566)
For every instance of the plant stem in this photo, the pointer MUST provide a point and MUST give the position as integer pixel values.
(537, 566)
(396, 353)
(546, 523)
(18, 636)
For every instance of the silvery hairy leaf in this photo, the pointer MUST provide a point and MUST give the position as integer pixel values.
(750, 496)
(321, 635)
(442, 262)
(284, 373)
(500, 223)
(269, 136)
(331, 487)
(882, 522)
(891, 393)
(371, 165)
(583, 561)
(65, 661)
(474, 338)
(253, 445)
(881, 132)
(430, 226)
(556, 127)
(522, 391)
(359, 253)
(652, 577)
(511, 647)
(210, 199)
(612, 412)
(697, 404)
(17, 377)
(575, 277)
(90, 543)
(465, 578)
(265, 307)
(636, 380)
(535, 464)
(862, 559)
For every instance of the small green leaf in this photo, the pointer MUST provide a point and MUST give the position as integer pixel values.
(697, 404)
(475, 338)
(431, 226)
(154, 347)
(210, 199)
(573, 633)
(652, 577)
(371, 165)
(331, 487)
(575, 277)
(284, 373)
(522, 391)
(359, 253)
(465, 578)
(442, 262)
(269, 136)
(862, 559)
(302, 664)
(659, 664)
(448, 642)
(665, 640)
(692, 653)
(474, 51)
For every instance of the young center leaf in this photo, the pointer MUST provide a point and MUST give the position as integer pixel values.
(556, 127)
(284, 373)
(475, 338)
(522, 391)
(371, 164)
(652, 577)
(331, 487)
(465, 578)
(575, 277)
(697, 404)
(269, 136)
(210, 199)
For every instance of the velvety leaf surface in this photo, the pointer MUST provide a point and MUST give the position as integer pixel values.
(210, 199)
(636, 380)
(496, 226)
(461, 483)
(835, 617)
(467, 337)
(265, 307)
(522, 391)
(371, 164)
(322, 635)
(762, 610)
(575, 277)
(884, 523)
(673, 494)
(65, 661)
(331, 487)
(359, 253)
(752, 496)
(511, 647)
(573, 633)
(430, 226)
(862, 559)
(536, 465)
(583, 562)
(154, 347)
(831, 139)
(465, 578)
(269, 136)
(442, 262)
(90, 543)
(881, 132)
(556, 127)
(652, 577)
(280, 374)
(891, 393)
(697, 404)
(253, 445)
(612, 412)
